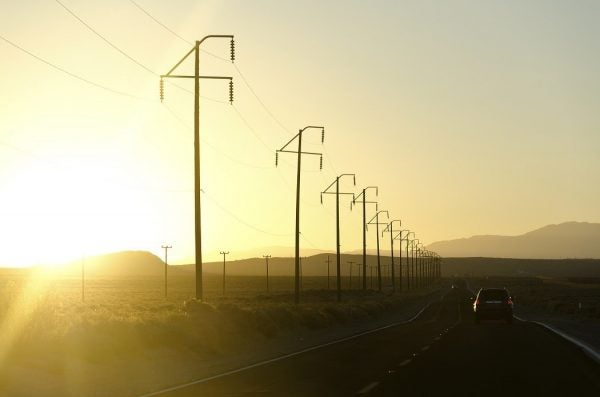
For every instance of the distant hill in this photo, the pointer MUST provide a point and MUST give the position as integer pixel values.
(566, 240)
(126, 263)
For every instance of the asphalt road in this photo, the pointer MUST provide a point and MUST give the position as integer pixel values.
(442, 352)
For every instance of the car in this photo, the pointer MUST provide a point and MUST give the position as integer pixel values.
(493, 304)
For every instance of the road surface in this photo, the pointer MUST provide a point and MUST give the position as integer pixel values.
(442, 352)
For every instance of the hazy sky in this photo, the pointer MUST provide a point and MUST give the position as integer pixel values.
(472, 117)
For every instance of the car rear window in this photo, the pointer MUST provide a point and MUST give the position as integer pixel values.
(493, 294)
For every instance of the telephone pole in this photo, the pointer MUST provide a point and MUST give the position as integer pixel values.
(337, 224)
(267, 258)
(377, 223)
(224, 253)
(327, 272)
(399, 237)
(408, 259)
(83, 278)
(364, 202)
(350, 263)
(197, 77)
(299, 152)
(166, 247)
(390, 228)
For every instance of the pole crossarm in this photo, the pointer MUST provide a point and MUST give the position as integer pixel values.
(301, 131)
(390, 228)
(376, 216)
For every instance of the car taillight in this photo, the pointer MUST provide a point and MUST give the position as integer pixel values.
(509, 301)
(477, 302)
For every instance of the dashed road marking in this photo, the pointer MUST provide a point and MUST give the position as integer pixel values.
(425, 348)
(405, 362)
(368, 388)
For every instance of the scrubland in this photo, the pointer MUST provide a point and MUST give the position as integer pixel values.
(125, 337)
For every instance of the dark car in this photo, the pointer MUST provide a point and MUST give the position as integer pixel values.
(493, 304)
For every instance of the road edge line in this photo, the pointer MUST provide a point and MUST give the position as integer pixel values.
(279, 358)
(587, 349)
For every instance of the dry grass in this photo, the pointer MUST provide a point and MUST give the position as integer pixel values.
(47, 329)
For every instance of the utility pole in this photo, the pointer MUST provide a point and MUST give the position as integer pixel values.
(377, 223)
(327, 272)
(166, 247)
(337, 224)
(390, 228)
(299, 152)
(399, 237)
(83, 278)
(350, 263)
(224, 253)
(415, 269)
(267, 258)
(408, 259)
(197, 77)
(364, 202)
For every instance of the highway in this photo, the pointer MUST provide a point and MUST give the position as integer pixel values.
(441, 352)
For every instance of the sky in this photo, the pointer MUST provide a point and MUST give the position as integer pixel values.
(471, 117)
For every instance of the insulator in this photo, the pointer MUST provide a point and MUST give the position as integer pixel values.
(231, 91)
(162, 90)
(276, 159)
(322, 136)
(321, 163)
(321, 198)
(232, 50)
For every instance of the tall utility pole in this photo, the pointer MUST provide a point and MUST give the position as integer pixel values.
(350, 263)
(337, 224)
(364, 202)
(377, 223)
(83, 278)
(408, 262)
(224, 253)
(415, 269)
(196, 76)
(166, 247)
(267, 258)
(327, 271)
(390, 228)
(400, 238)
(299, 152)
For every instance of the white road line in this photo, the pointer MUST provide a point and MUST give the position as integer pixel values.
(368, 388)
(285, 356)
(425, 348)
(405, 362)
(587, 349)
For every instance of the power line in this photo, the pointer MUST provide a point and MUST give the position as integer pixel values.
(231, 214)
(148, 14)
(142, 9)
(71, 74)
(106, 40)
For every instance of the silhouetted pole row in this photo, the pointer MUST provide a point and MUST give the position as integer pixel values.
(267, 259)
(327, 272)
(337, 224)
(196, 76)
(166, 248)
(224, 253)
(377, 223)
(350, 273)
(390, 229)
(299, 152)
(364, 202)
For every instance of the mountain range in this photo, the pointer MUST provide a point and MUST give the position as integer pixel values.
(565, 240)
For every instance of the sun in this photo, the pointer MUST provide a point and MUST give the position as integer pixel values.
(53, 213)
